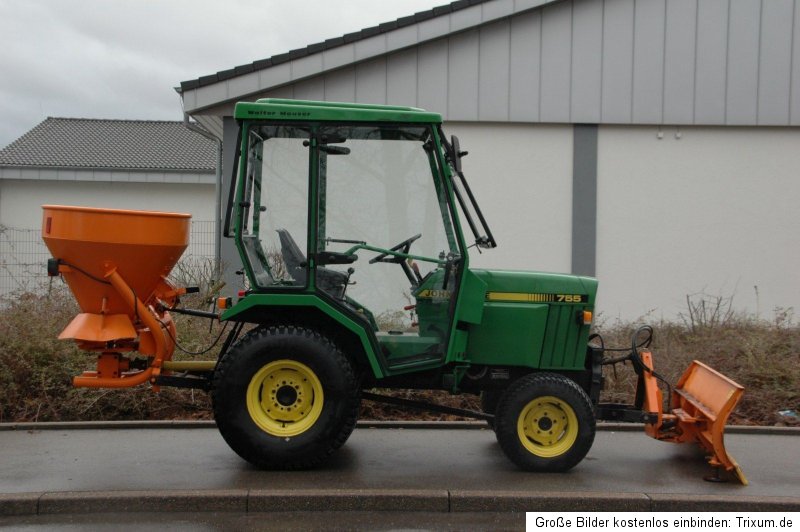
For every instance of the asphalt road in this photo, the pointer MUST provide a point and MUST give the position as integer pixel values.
(426, 470)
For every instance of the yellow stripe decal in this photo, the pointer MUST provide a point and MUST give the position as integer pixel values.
(524, 297)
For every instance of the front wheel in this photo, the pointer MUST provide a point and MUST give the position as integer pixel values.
(285, 398)
(545, 422)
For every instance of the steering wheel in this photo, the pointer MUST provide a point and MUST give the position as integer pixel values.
(403, 247)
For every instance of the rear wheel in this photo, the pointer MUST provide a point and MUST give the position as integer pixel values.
(285, 398)
(545, 422)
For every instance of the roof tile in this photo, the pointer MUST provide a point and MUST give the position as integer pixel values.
(280, 58)
(262, 64)
(314, 48)
(208, 80)
(111, 144)
(352, 37)
(388, 26)
(243, 69)
(370, 32)
(297, 53)
(226, 74)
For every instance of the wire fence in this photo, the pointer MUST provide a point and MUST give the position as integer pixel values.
(23, 255)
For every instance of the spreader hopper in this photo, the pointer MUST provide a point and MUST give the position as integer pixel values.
(116, 263)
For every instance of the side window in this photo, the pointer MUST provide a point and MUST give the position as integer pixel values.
(275, 214)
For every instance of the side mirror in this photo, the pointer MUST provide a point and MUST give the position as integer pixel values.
(457, 153)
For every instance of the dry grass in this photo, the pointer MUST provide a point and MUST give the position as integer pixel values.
(36, 368)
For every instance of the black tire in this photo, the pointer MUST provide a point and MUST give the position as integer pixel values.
(489, 401)
(545, 422)
(285, 398)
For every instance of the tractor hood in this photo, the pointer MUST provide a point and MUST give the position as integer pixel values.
(504, 285)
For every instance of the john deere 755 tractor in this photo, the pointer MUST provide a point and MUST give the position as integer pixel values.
(355, 224)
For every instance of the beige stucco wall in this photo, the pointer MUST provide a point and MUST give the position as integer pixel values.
(696, 210)
(521, 175)
(22, 252)
(21, 200)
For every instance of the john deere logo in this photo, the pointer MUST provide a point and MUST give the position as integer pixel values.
(434, 294)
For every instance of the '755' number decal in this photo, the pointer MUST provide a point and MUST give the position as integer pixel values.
(569, 298)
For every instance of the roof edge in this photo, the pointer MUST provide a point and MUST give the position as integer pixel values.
(328, 44)
(129, 169)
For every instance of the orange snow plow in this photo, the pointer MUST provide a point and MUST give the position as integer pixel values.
(116, 264)
(698, 408)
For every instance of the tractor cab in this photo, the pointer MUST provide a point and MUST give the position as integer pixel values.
(354, 206)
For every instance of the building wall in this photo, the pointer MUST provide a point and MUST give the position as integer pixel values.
(709, 62)
(521, 175)
(22, 253)
(701, 210)
(21, 200)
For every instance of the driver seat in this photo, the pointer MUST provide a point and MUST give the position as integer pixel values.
(330, 281)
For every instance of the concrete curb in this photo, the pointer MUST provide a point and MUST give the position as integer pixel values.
(444, 501)
(107, 425)
(472, 425)
(525, 501)
(71, 502)
(662, 502)
(19, 503)
(349, 500)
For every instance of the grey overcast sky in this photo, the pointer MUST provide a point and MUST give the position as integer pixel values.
(123, 58)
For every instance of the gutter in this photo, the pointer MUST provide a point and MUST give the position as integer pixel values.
(217, 186)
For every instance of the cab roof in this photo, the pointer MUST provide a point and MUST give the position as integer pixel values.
(308, 111)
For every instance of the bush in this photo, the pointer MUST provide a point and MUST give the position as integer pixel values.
(36, 370)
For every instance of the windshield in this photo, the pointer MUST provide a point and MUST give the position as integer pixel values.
(380, 189)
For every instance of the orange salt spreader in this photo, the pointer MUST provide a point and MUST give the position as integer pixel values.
(116, 263)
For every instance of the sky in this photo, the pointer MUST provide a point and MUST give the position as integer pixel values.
(123, 58)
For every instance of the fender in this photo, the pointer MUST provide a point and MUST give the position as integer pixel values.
(264, 301)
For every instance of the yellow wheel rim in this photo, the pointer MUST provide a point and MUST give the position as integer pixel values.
(547, 427)
(284, 398)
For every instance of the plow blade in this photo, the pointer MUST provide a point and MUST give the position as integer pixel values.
(701, 403)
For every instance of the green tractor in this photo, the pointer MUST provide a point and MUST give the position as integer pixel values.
(349, 221)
